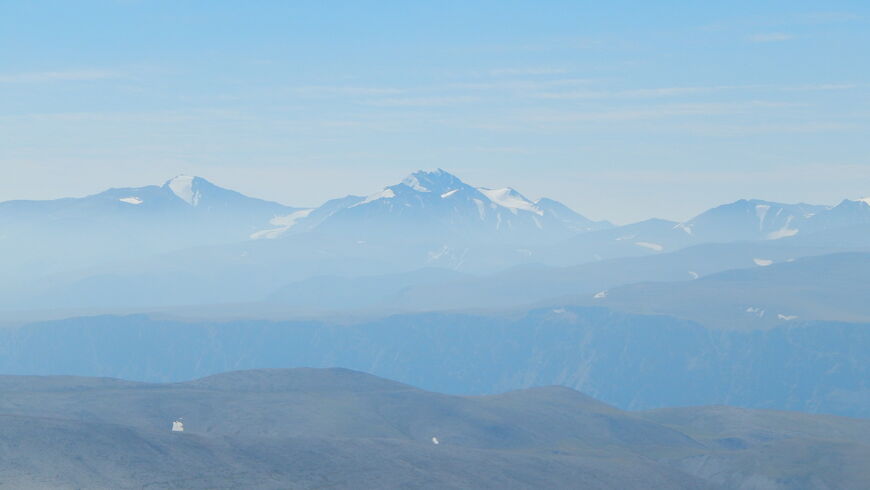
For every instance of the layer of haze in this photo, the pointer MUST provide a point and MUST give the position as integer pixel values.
(622, 110)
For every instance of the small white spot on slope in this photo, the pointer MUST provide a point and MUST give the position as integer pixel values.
(685, 227)
(650, 245)
(131, 200)
(384, 194)
(449, 193)
(283, 224)
(762, 262)
(435, 441)
(786, 317)
(755, 311)
(783, 232)
(694, 274)
(761, 211)
(600, 295)
(437, 254)
(481, 208)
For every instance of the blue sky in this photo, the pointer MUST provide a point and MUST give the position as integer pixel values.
(622, 110)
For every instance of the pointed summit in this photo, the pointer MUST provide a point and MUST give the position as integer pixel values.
(437, 181)
(186, 187)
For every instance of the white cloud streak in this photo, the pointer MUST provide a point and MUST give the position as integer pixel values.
(770, 37)
(58, 76)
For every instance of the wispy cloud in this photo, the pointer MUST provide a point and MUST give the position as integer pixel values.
(827, 17)
(421, 101)
(58, 76)
(548, 120)
(519, 84)
(529, 71)
(770, 37)
(644, 113)
(331, 91)
(824, 87)
(631, 94)
(660, 92)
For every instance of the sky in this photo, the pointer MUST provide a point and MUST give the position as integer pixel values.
(621, 110)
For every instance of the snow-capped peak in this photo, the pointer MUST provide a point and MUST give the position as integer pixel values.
(439, 181)
(183, 187)
(865, 200)
(511, 199)
(414, 183)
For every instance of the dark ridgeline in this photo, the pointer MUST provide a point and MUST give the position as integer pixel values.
(631, 361)
(335, 428)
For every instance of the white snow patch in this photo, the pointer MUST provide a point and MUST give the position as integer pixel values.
(786, 317)
(283, 223)
(865, 200)
(783, 232)
(182, 186)
(686, 228)
(435, 441)
(600, 295)
(131, 200)
(449, 193)
(761, 211)
(755, 311)
(481, 209)
(414, 183)
(437, 254)
(762, 262)
(559, 311)
(694, 274)
(178, 426)
(510, 199)
(650, 245)
(384, 194)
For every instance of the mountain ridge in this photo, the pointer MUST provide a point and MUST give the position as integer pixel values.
(341, 428)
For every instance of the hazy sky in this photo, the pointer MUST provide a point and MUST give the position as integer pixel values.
(622, 110)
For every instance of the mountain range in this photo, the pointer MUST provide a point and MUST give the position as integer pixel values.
(191, 242)
(683, 332)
